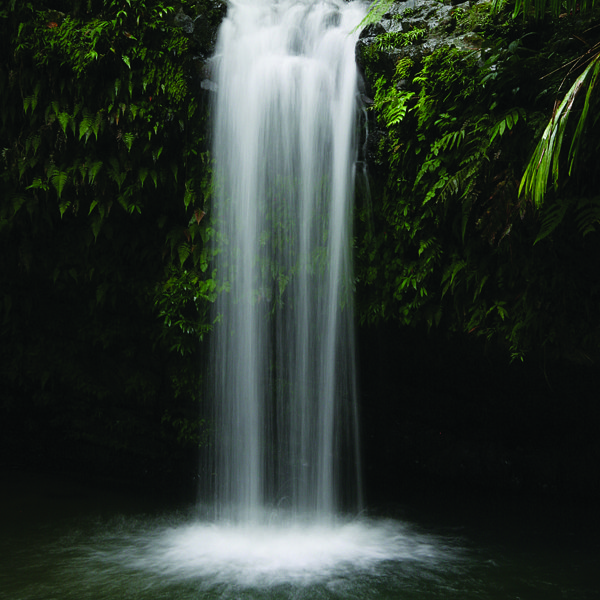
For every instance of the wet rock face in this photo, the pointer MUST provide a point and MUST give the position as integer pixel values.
(185, 22)
(435, 19)
(411, 29)
(201, 26)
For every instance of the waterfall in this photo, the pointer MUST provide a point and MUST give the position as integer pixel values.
(282, 368)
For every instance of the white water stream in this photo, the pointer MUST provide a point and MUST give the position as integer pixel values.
(282, 368)
(285, 463)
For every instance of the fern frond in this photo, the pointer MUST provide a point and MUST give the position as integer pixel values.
(509, 120)
(64, 119)
(58, 179)
(93, 170)
(450, 274)
(587, 215)
(553, 217)
(397, 108)
(462, 181)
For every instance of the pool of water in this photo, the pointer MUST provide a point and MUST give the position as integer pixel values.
(67, 541)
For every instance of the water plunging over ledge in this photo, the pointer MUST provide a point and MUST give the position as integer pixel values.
(282, 364)
(284, 390)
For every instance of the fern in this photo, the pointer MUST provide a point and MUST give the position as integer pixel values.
(85, 125)
(33, 141)
(58, 179)
(397, 108)
(553, 217)
(587, 215)
(399, 39)
(93, 171)
(63, 206)
(448, 141)
(128, 139)
(506, 123)
(142, 174)
(64, 120)
(453, 269)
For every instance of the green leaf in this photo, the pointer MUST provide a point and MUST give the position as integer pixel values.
(552, 217)
(143, 174)
(118, 177)
(86, 124)
(545, 160)
(375, 14)
(59, 180)
(507, 122)
(93, 171)
(38, 184)
(96, 124)
(63, 206)
(591, 87)
(588, 215)
(128, 139)
(27, 101)
(188, 197)
(156, 153)
(183, 251)
(64, 119)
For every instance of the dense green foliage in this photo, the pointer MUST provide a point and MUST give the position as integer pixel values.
(104, 179)
(539, 8)
(449, 240)
(545, 164)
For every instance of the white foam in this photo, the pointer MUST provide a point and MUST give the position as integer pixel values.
(266, 555)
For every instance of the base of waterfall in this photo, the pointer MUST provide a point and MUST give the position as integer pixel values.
(92, 542)
(272, 554)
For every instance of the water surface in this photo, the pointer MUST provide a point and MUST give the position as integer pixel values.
(65, 541)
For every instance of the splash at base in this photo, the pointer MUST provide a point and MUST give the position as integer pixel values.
(210, 555)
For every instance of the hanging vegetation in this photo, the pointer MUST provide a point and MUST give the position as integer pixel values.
(104, 175)
(449, 240)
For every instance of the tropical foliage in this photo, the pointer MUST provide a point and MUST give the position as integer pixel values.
(104, 180)
(448, 240)
(544, 164)
(539, 8)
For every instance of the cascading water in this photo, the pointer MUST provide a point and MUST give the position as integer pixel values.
(282, 368)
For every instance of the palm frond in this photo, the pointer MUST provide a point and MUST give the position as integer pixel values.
(545, 159)
(375, 14)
